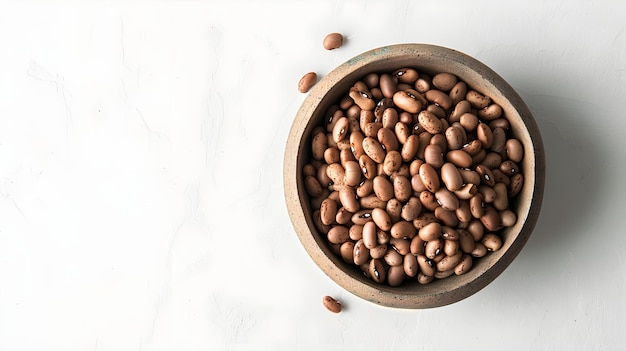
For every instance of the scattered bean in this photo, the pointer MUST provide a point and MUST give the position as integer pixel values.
(331, 304)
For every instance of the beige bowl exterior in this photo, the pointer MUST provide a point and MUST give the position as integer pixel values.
(426, 58)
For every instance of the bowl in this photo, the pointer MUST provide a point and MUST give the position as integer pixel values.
(428, 59)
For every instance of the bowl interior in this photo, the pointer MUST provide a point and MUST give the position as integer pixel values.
(428, 59)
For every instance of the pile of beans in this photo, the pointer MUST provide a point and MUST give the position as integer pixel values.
(411, 176)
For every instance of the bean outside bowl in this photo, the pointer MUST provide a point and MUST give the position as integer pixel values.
(428, 59)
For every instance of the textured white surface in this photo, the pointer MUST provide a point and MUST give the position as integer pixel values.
(141, 203)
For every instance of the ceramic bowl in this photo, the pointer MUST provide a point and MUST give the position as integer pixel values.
(429, 59)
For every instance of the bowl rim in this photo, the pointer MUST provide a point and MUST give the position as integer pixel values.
(426, 58)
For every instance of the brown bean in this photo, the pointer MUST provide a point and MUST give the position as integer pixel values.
(473, 148)
(395, 275)
(484, 134)
(491, 112)
(466, 242)
(429, 177)
(446, 217)
(319, 144)
(347, 252)
(393, 258)
(423, 83)
(433, 248)
(500, 177)
(379, 251)
(508, 218)
(402, 132)
(321, 227)
(411, 209)
(436, 110)
(312, 186)
(499, 123)
(463, 213)
(477, 206)
(501, 202)
(439, 140)
(394, 209)
(307, 82)
(410, 148)
(479, 250)
(459, 158)
(487, 193)
(377, 270)
(450, 247)
(392, 162)
(469, 121)
(362, 98)
(477, 100)
(388, 85)
(433, 155)
(426, 265)
(509, 168)
(458, 92)
(490, 219)
(424, 219)
(338, 234)
(331, 304)
(469, 176)
(381, 218)
(517, 181)
(366, 117)
(340, 130)
(466, 192)
(492, 160)
(416, 246)
(371, 129)
(424, 279)
(450, 261)
(410, 265)
(383, 188)
(406, 101)
(361, 253)
(514, 150)
(402, 188)
(476, 229)
(343, 216)
(499, 140)
(336, 173)
(403, 229)
(328, 211)
(451, 177)
(369, 235)
(348, 199)
(430, 231)
(428, 200)
(454, 138)
(486, 176)
(447, 199)
(387, 138)
(429, 122)
(390, 118)
(356, 232)
(368, 167)
(424, 139)
(444, 81)
(465, 265)
(439, 97)
(406, 75)
(371, 79)
(492, 242)
(460, 108)
(356, 144)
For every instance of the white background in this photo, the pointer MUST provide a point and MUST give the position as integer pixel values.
(141, 199)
